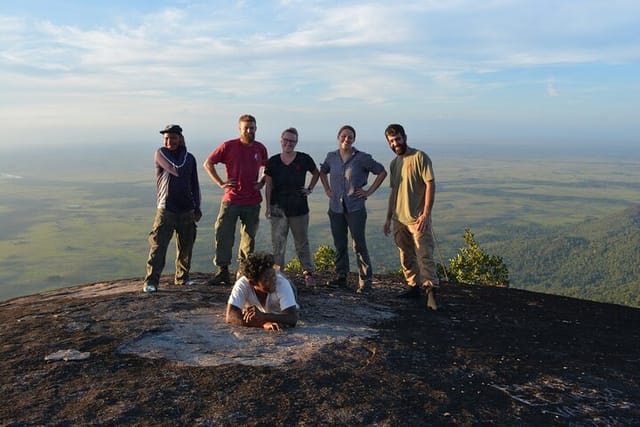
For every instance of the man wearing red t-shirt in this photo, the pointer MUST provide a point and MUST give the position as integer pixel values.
(243, 157)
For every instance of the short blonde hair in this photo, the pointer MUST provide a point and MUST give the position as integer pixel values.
(247, 118)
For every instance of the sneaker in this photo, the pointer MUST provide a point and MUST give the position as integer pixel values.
(340, 282)
(149, 288)
(188, 282)
(412, 293)
(432, 303)
(222, 278)
(308, 279)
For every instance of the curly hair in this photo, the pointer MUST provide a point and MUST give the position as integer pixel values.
(255, 264)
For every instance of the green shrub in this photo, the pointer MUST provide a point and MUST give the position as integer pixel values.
(325, 258)
(294, 266)
(473, 266)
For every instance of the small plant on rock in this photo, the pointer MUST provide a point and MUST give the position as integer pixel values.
(473, 266)
(325, 258)
(294, 266)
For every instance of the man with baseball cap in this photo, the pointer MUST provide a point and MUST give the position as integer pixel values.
(178, 208)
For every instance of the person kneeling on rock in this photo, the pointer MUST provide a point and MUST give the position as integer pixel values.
(262, 297)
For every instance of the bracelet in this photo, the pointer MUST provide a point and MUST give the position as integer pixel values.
(310, 190)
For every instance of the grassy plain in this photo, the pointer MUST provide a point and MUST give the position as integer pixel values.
(83, 216)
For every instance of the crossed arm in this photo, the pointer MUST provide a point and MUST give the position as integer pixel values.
(255, 318)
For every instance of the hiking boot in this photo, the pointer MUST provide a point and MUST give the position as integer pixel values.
(222, 278)
(186, 282)
(308, 279)
(340, 282)
(432, 303)
(149, 288)
(412, 293)
(364, 289)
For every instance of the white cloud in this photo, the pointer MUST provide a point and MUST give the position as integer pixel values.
(306, 55)
(354, 26)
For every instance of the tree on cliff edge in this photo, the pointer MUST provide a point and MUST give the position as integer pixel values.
(473, 266)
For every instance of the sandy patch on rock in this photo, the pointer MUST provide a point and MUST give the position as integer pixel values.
(201, 337)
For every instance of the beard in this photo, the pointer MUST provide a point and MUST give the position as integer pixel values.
(399, 149)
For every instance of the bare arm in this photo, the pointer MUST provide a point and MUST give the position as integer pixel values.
(373, 187)
(429, 197)
(325, 184)
(262, 182)
(234, 315)
(315, 175)
(377, 182)
(267, 195)
(391, 204)
(213, 174)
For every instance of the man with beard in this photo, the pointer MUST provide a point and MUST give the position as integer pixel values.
(409, 215)
(243, 157)
(178, 209)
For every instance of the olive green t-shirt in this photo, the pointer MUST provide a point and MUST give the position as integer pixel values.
(409, 174)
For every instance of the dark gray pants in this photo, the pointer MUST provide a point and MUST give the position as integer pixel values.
(354, 223)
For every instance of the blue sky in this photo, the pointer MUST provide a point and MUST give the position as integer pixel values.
(498, 71)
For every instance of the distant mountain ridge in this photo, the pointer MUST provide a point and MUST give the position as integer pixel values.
(598, 259)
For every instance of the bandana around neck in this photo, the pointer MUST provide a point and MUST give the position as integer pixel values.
(177, 158)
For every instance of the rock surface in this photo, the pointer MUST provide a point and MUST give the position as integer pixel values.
(108, 354)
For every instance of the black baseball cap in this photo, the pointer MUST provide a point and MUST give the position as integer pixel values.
(172, 129)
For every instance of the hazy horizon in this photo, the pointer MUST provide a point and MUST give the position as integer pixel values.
(74, 215)
(378, 148)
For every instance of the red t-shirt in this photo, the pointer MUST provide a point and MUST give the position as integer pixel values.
(243, 163)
